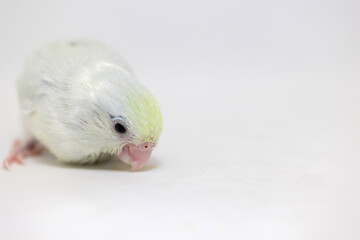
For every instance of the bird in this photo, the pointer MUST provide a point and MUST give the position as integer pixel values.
(82, 102)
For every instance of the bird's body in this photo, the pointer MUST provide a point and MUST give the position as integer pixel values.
(83, 103)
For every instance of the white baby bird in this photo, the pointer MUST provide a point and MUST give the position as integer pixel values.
(82, 102)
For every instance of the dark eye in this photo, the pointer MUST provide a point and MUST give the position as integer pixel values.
(120, 128)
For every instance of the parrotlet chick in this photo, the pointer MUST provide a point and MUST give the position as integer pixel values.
(82, 102)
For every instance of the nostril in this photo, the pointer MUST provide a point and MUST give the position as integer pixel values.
(146, 146)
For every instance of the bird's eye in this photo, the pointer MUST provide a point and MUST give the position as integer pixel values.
(120, 128)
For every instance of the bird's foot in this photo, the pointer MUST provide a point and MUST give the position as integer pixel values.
(18, 153)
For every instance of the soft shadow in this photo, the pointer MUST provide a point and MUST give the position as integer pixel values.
(112, 164)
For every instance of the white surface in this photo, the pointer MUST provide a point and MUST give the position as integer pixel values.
(261, 107)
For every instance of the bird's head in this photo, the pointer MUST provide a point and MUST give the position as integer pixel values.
(125, 117)
(138, 128)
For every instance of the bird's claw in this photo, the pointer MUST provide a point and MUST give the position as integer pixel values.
(18, 153)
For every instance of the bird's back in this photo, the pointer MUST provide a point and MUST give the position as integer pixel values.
(52, 66)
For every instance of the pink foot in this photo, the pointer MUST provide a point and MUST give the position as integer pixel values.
(19, 153)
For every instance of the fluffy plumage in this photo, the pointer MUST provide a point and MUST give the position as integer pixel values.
(73, 93)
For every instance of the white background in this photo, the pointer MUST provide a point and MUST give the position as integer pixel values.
(261, 108)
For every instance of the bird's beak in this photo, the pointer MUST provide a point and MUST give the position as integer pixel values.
(136, 155)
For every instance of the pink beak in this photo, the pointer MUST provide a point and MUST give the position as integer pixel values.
(136, 156)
